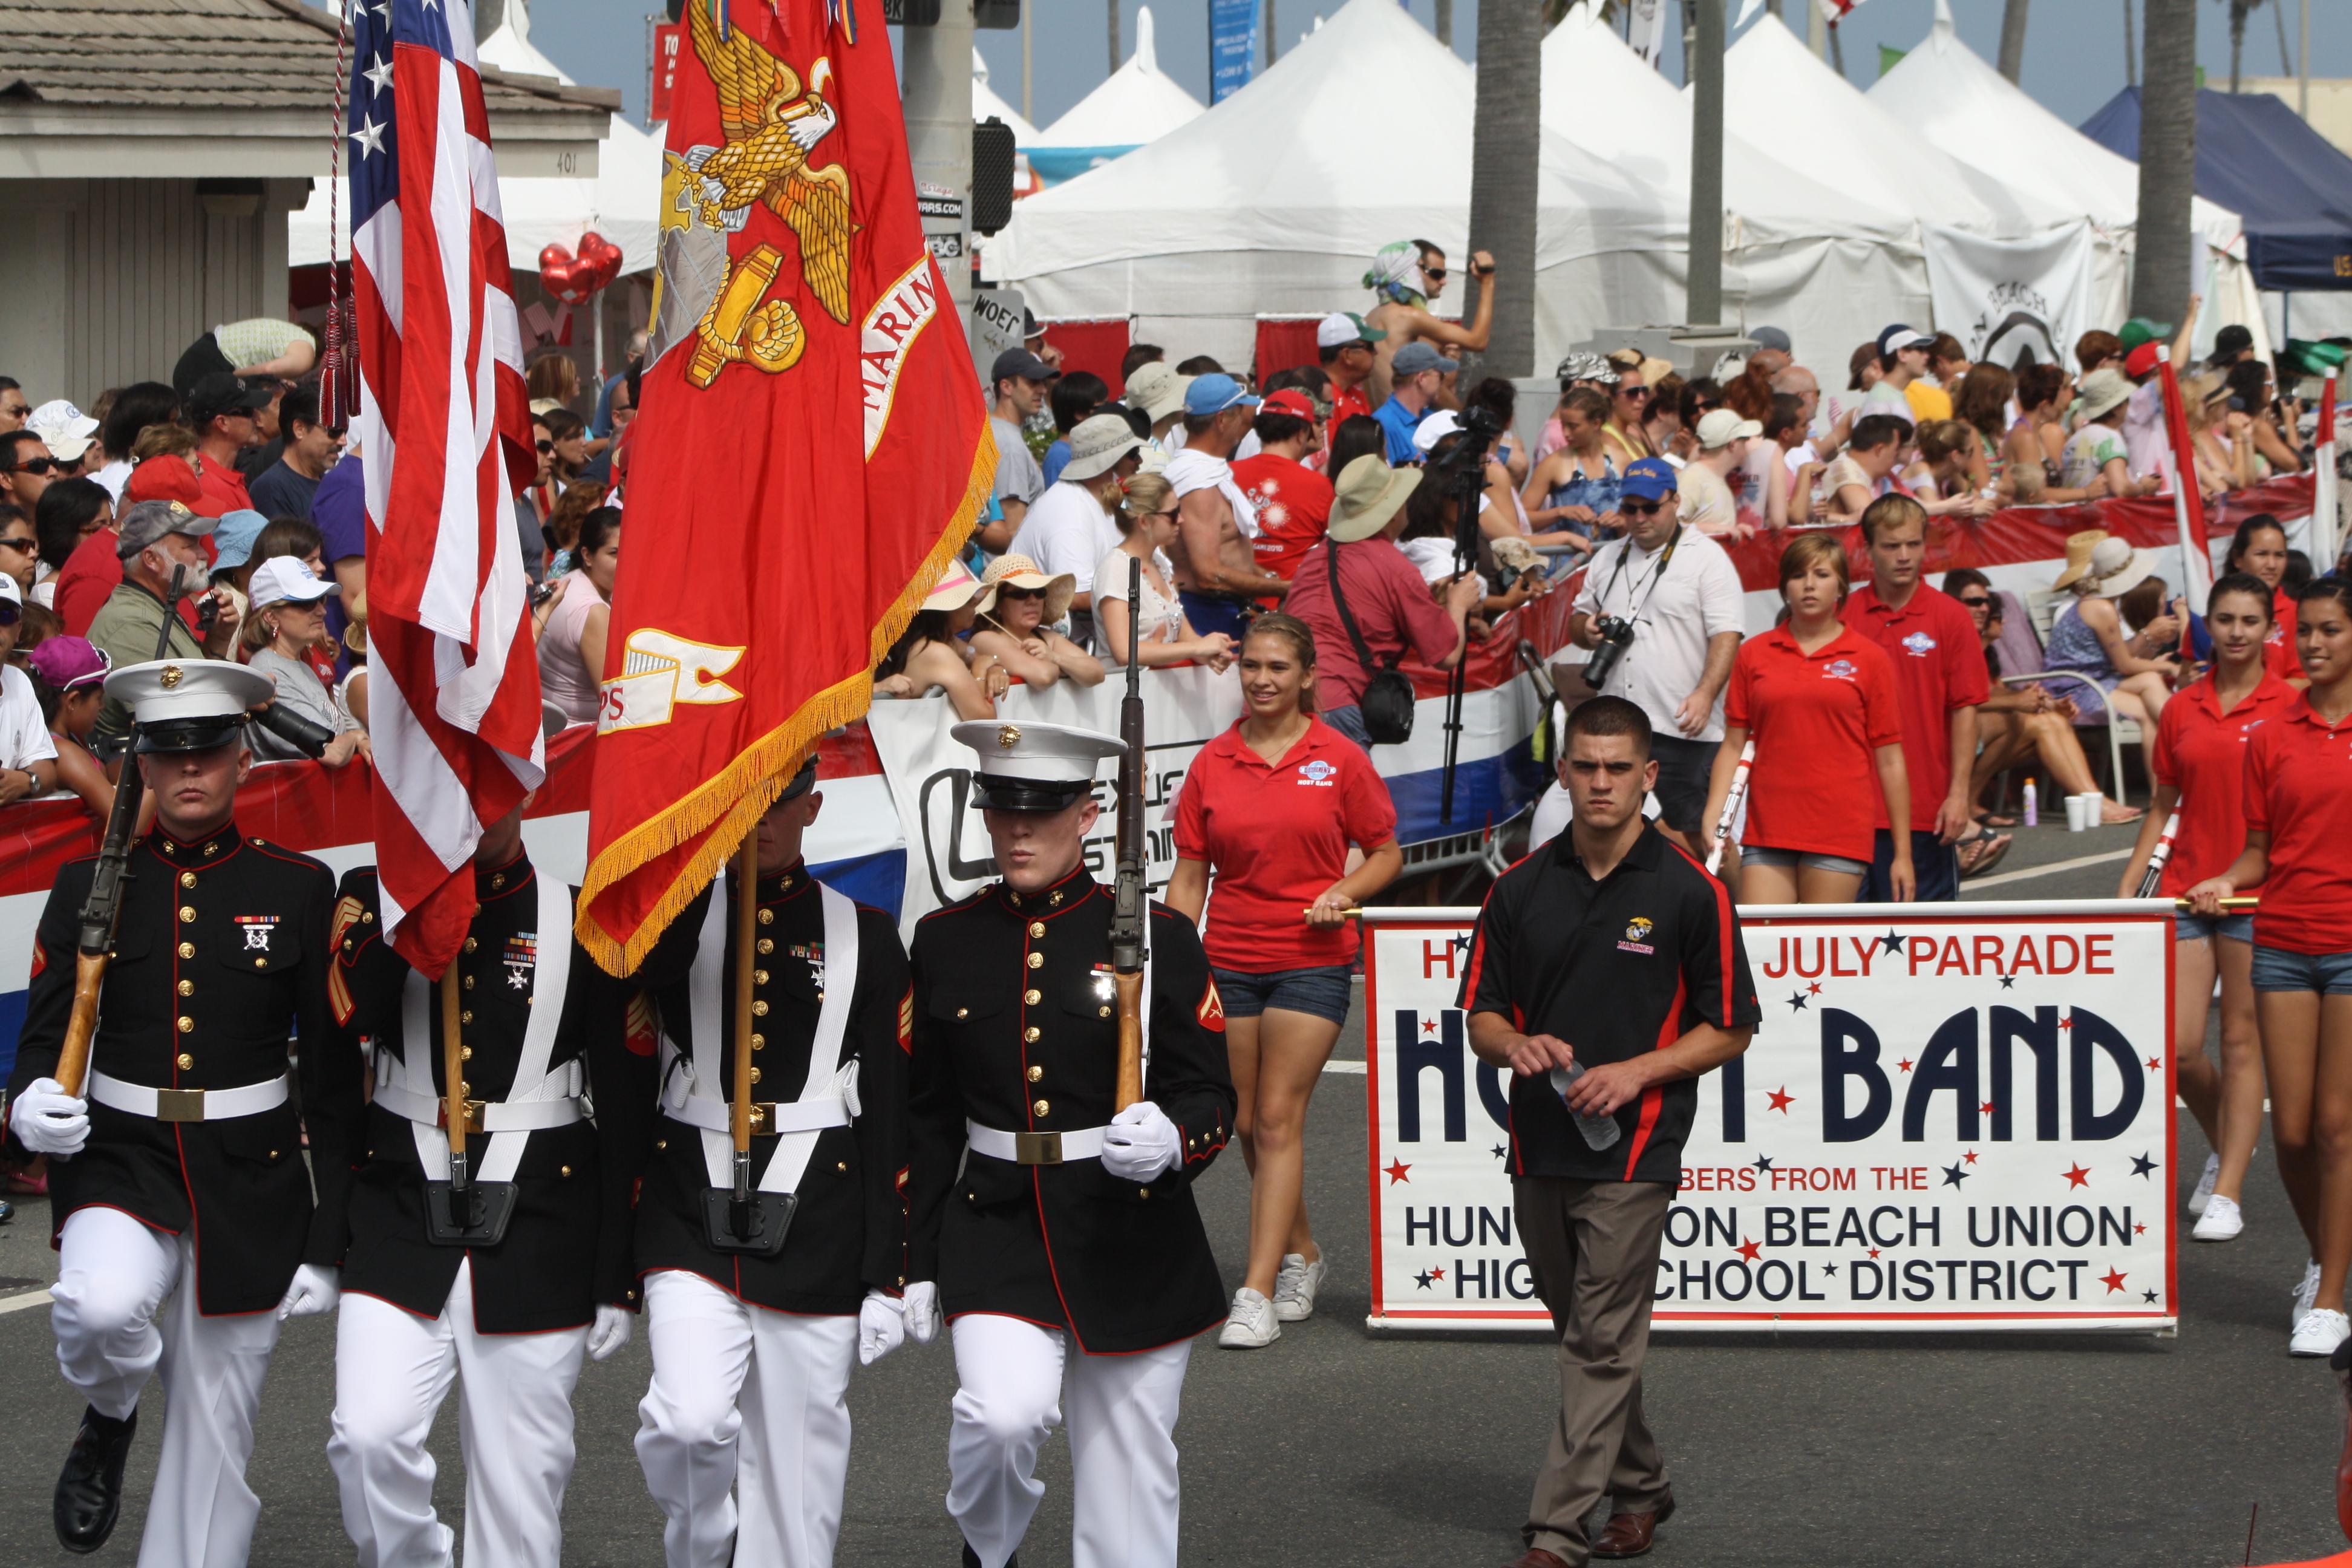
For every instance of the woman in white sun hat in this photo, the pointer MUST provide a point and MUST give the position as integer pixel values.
(2114, 670)
(1015, 628)
(932, 655)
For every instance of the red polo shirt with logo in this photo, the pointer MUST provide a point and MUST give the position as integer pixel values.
(1293, 507)
(2201, 752)
(1818, 720)
(2278, 648)
(1277, 835)
(1938, 666)
(2299, 791)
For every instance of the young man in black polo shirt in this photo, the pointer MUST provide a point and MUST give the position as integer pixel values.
(1624, 958)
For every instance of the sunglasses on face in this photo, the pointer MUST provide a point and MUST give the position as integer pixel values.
(1634, 391)
(1641, 509)
(1435, 274)
(34, 466)
(25, 545)
(1021, 592)
(545, 447)
(9, 613)
(1975, 601)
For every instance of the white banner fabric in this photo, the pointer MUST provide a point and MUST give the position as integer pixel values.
(1953, 1117)
(2006, 297)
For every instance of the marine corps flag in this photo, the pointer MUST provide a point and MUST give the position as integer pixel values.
(811, 451)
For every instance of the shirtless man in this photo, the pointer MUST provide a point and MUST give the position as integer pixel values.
(1407, 277)
(1216, 570)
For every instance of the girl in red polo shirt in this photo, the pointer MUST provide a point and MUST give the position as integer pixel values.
(1273, 804)
(2259, 549)
(2298, 817)
(2198, 758)
(1821, 704)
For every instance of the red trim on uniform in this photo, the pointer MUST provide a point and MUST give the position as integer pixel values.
(1654, 1099)
(1724, 926)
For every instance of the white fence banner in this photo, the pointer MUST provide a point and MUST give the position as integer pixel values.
(1952, 1117)
(2002, 298)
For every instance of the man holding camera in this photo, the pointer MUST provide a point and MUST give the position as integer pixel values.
(1607, 974)
(1661, 608)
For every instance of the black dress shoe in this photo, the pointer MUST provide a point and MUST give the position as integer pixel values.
(972, 1558)
(90, 1490)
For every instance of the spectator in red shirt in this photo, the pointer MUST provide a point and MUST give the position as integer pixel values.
(93, 572)
(1820, 701)
(2298, 812)
(1294, 501)
(2199, 762)
(1343, 345)
(1939, 668)
(1394, 610)
(225, 413)
(2260, 548)
(1274, 806)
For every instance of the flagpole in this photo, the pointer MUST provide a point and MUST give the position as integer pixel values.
(2323, 486)
(2195, 560)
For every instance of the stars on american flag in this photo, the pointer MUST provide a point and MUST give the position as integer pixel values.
(369, 137)
(379, 74)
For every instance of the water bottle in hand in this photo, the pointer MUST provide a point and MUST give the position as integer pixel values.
(1600, 1131)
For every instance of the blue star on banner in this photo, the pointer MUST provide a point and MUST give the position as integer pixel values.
(2147, 1296)
(1422, 1278)
(1954, 1176)
(1798, 1001)
(2008, 982)
(1763, 1163)
(2142, 1165)
(1893, 940)
(1499, 1152)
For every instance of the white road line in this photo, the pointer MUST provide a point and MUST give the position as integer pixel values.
(2076, 864)
(1343, 1067)
(29, 1298)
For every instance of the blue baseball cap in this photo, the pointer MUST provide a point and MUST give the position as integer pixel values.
(1647, 478)
(1213, 395)
(235, 536)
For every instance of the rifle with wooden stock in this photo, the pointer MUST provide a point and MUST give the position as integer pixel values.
(1130, 906)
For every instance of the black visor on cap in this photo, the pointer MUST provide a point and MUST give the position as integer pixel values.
(800, 783)
(994, 792)
(191, 734)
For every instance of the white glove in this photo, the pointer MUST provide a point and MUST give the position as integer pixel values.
(48, 1120)
(314, 1291)
(881, 1326)
(609, 1333)
(1140, 1143)
(922, 1304)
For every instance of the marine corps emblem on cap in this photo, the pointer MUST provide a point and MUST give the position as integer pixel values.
(170, 678)
(1008, 735)
(180, 509)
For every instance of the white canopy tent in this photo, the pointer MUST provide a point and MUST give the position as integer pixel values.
(1136, 104)
(985, 103)
(1276, 200)
(1824, 266)
(1955, 98)
(621, 202)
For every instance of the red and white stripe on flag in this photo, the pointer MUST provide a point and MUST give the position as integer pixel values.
(444, 432)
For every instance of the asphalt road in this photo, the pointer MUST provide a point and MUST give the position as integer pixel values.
(1332, 1447)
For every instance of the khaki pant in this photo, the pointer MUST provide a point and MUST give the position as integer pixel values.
(1594, 1249)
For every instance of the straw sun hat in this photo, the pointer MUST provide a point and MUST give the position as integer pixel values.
(1020, 571)
(2100, 567)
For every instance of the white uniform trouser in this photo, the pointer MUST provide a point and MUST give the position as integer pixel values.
(392, 1369)
(114, 1324)
(751, 1399)
(1122, 1442)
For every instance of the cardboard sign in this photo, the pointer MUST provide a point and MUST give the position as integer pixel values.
(1951, 1117)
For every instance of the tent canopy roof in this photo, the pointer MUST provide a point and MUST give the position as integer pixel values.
(2290, 188)
(985, 102)
(1956, 97)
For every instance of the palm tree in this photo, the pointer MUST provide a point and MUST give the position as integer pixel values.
(2168, 159)
(1113, 5)
(1503, 179)
(2239, 9)
(2012, 39)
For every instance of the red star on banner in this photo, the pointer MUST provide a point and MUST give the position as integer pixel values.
(1873, 1252)
(1429, 1026)
(1438, 1274)
(1394, 1171)
(1987, 1108)
(1780, 1098)
(1749, 1250)
(2067, 1022)
(1904, 1063)
(2080, 1176)
(1970, 1156)
(2154, 1064)
(1815, 987)
(2112, 1279)
(2139, 1230)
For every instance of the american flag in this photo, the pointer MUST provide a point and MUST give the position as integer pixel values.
(444, 430)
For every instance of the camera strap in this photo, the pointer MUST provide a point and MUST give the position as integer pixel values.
(1666, 559)
(1339, 603)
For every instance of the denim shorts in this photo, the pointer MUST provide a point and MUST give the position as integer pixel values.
(2276, 969)
(2190, 927)
(1322, 990)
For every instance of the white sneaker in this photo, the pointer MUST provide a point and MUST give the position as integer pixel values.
(1252, 1325)
(2322, 1330)
(2305, 1294)
(2204, 1193)
(1295, 1285)
(2221, 1220)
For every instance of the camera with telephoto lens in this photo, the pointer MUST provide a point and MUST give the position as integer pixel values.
(1616, 635)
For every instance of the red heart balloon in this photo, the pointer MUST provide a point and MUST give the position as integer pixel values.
(601, 256)
(566, 277)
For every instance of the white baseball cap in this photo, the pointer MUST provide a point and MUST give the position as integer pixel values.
(285, 577)
(1720, 427)
(63, 428)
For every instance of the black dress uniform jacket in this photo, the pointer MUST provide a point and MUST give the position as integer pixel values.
(849, 1233)
(220, 952)
(566, 1250)
(1016, 1028)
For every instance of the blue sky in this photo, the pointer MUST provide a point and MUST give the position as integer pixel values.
(2073, 59)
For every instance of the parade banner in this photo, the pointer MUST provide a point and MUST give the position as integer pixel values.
(2012, 302)
(1952, 1117)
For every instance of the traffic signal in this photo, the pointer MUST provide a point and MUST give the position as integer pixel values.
(992, 175)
